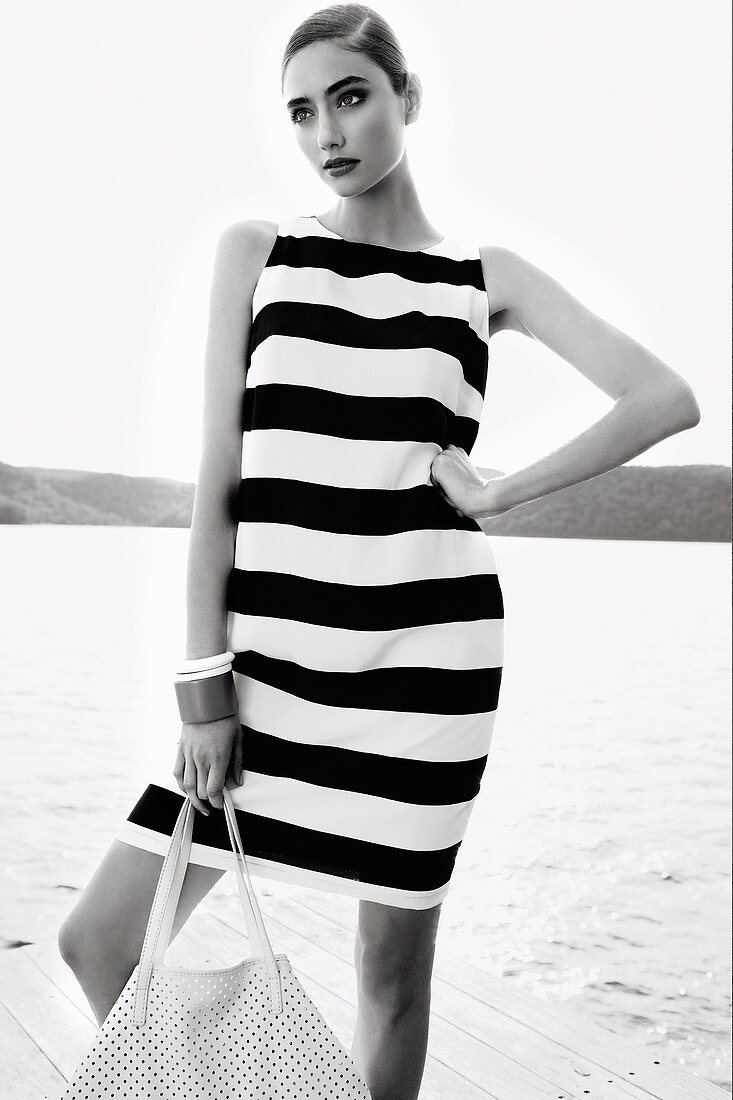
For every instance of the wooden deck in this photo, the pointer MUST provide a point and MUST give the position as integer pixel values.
(487, 1039)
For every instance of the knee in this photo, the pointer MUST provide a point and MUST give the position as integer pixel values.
(69, 941)
(84, 947)
(395, 981)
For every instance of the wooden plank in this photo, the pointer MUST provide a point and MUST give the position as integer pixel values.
(46, 1015)
(488, 1040)
(201, 943)
(485, 1066)
(502, 1036)
(45, 955)
(609, 1051)
(206, 937)
(24, 1068)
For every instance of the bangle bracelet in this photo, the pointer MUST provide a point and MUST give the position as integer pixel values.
(186, 677)
(207, 700)
(198, 664)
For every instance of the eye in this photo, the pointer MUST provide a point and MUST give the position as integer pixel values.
(344, 95)
(350, 95)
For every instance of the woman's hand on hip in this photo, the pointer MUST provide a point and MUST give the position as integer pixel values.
(209, 754)
(460, 484)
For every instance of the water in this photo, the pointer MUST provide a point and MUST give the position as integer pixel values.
(595, 869)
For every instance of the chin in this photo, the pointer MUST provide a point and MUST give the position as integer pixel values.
(344, 185)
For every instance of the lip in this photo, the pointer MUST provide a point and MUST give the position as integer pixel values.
(335, 162)
(344, 168)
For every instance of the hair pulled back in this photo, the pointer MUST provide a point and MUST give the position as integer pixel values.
(358, 28)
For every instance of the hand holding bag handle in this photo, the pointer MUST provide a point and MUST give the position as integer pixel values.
(165, 902)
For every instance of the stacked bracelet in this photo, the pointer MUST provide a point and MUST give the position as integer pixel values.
(205, 689)
(221, 662)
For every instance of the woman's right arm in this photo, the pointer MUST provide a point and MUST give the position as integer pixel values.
(205, 750)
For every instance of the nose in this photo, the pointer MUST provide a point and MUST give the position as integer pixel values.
(329, 139)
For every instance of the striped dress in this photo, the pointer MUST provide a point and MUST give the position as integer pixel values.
(365, 613)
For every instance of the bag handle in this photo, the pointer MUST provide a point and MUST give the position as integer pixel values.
(165, 902)
(251, 907)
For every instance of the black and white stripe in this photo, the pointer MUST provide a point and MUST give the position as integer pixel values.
(366, 615)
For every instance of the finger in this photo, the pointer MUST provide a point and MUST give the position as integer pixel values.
(238, 758)
(233, 773)
(202, 779)
(448, 500)
(216, 780)
(190, 786)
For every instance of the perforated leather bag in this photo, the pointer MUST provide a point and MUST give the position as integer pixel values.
(248, 1031)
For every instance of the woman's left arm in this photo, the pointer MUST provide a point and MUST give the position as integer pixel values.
(652, 401)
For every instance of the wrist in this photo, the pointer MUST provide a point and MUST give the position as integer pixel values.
(495, 498)
(206, 697)
(224, 720)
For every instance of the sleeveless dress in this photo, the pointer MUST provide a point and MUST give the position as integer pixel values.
(365, 613)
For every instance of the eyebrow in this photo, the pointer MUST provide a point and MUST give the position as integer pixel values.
(299, 100)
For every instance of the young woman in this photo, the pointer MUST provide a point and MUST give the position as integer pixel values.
(338, 575)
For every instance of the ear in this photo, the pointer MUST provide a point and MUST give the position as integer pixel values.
(413, 93)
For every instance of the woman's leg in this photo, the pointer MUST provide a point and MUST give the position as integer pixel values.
(102, 937)
(394, 952)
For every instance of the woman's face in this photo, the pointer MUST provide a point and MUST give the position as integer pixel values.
(363, 119)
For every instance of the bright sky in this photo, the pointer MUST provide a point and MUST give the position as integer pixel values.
(592, 138)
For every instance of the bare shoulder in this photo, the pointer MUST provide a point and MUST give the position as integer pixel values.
(501, 269)
(500, 266)
(243, 248)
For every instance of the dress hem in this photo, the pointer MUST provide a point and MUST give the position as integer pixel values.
(152, 841)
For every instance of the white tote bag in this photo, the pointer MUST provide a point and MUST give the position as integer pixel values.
(249, 1031)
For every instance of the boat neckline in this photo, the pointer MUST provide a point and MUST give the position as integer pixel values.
(372, 244)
